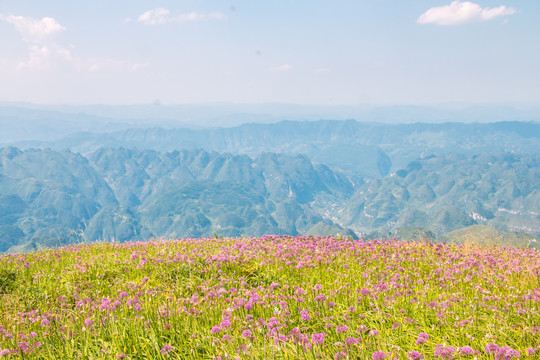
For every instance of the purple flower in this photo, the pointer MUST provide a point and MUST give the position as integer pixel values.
(317, 338)
(361, 329)
(320, 298)
(350, 340)
(166, 349)
(304, 315)
(342, 328)
(415, 355)
(340, 355)
(121, 356)
(373, 332)
(378, 355)
(246, 333)
(216, 329)
(531, 351)
(445, 352)
(364, 292)
(491, 348)
(89, 323)
(466, 350)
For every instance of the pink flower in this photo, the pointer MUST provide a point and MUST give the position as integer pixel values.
(378, 355)
(89, 323)
(166, 349)
(466, 350)
(491, 348)
(317, 338)
(342, 328)
(415, 355)
(246, 333)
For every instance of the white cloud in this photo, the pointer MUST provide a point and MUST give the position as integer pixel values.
(33, 30)
(42, 56)
(162, 16)
(282, 68)
(462, 12)
(95, 65)
(44, 53)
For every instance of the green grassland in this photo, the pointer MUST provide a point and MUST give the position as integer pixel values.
(271, 297)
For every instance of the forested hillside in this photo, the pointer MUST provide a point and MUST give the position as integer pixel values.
(56, 197)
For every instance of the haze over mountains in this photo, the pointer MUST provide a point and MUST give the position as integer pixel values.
(127, 179)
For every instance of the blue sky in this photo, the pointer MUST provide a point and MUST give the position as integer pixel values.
(326, 52)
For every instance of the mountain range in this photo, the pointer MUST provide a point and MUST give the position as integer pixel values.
(318, 177)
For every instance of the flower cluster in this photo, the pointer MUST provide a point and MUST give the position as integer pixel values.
(271, 297)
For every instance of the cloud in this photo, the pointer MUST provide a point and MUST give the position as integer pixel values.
(44, 52)
(162, 16)
(41, 56)
(462, 12)
(280, 69)
(321, 70)
(33, 30)
(95, 65)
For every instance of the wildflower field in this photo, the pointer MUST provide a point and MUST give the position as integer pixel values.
(271, 298)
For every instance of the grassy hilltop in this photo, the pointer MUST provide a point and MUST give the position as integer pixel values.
(271, 298)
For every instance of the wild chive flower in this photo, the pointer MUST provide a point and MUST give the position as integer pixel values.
(340, 355)
(246, 333)
(445, 352)
(342, 328)
(166, 349)
(378, 355)
(491, 348)
(317, 338)
(415, 355)
(466, 350)
(216, 329)
(531, 351)
(361, 329)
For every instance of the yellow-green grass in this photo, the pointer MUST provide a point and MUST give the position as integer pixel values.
(271, 298)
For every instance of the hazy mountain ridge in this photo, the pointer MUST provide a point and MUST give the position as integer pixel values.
(451, 192)
(367, 150)
(288, 177)
(54, 197)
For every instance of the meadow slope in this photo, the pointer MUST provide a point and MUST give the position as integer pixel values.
(271, 298)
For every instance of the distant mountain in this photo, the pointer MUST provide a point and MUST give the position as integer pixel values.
(52, 197)
(366, 150)
(451, 192)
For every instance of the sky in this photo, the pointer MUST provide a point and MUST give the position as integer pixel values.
(321, 52)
